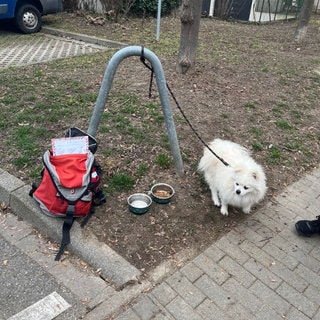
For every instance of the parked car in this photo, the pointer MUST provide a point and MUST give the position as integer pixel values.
(27, 14)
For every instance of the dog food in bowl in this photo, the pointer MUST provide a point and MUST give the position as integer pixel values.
(162, 192)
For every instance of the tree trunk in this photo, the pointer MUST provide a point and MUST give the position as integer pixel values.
(303, 23)
(190, 24)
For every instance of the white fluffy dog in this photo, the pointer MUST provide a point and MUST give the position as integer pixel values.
(241, 184)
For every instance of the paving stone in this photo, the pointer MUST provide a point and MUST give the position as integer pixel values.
(189, 292)
(115, 301)
(312, 293)
(315, 252)
(240, 294)
(164, 293)
(162, 316)
(270, 297)
(317, 316)
(210, 311)
(267, 313)
(214, 253)
(250, 234)
(237, 271)
(281, 255)
(20, 50)
(232, 250)
(289, 276)
(214, 292)
(146, 309)
(239, 312)
(281, 214)
(182, 311)
(191, 271)
(262, 273)
(235, 237)
(269, 222)
(308, 275)
(274, 266)
(265, 232)
(285, 199)
(212, 269)
(128, 315)
(107, 293)
(291, 249)
(297, 299)
(297, 206)
(295, 314)
(305, 244)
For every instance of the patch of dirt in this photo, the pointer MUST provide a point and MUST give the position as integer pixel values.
(252, 85)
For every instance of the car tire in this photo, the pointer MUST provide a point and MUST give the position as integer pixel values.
(28, 19)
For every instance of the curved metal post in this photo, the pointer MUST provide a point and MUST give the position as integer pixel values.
(163, 93)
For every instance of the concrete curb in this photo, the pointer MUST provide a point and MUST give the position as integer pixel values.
(84, 38)
(115, 268)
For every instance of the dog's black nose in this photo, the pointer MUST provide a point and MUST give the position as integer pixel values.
(238, 192)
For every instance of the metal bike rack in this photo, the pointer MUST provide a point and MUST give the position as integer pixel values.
(163, 93)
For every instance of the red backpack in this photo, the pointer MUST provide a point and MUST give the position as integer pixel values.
(69, 186)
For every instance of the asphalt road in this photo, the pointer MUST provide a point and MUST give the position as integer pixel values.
(25, 283)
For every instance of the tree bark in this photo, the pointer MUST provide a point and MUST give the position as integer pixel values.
(190, 24)
(304, 19)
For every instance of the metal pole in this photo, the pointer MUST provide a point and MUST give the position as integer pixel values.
(211, 9)
(158, 20)
(163, 93)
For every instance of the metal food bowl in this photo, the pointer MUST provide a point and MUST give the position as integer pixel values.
(162, 192)
(139, 203)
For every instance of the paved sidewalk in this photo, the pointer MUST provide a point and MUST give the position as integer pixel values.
(20, 50)
(260, 270)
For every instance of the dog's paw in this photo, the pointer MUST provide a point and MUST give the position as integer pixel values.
(216, 200)
(246, 210)
(224, 211)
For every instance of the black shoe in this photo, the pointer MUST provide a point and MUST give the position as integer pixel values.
(308, 227)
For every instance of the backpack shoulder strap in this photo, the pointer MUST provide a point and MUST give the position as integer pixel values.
(67, 224)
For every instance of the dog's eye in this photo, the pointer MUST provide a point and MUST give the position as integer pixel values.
(245, 188)
(237, 183)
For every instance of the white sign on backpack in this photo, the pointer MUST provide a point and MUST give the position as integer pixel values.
(72, 145)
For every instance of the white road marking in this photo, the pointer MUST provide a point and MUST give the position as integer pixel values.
(45, 309)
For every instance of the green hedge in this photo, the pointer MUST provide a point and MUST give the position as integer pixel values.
(150, 7)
